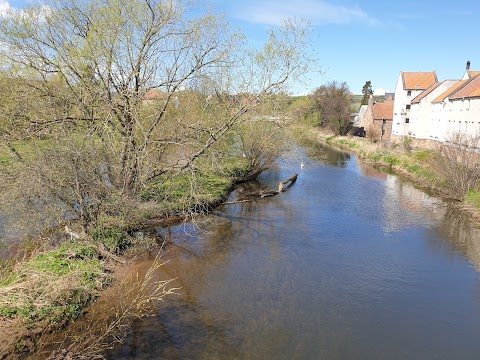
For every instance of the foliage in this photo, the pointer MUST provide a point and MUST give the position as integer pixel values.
(90, 65)
(366, 91)
(333, 102)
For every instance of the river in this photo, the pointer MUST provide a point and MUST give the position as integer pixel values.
(349, 263)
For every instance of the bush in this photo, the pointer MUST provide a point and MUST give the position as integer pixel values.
(459, 161)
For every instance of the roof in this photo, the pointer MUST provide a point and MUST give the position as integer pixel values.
(383, 110)
(472, 74)
(471, 89)
(153, 94)
(423, 94)
(418, 80)
(450, 91)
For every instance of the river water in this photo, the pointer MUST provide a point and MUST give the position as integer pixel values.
(349, 263)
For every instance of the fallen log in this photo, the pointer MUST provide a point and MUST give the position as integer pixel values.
(266, 192)
(290, 180)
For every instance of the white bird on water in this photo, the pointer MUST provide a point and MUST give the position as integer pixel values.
(302, 165)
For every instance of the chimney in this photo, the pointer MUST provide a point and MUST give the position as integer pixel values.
(468, 65)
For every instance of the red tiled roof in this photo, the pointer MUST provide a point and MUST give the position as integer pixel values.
(420, 96)
(450, 91)
(383, 110)
(418, 80)
(469, 90)
(153, 94)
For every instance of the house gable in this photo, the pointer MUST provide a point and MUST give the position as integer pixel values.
(418, 80)
(383, 110)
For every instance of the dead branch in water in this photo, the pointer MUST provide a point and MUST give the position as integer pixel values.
(266, 192)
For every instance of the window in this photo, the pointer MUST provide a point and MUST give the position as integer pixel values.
(408, 107)
(409, 93)
(407, 120)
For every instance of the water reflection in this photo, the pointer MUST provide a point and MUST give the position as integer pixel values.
(349, 263)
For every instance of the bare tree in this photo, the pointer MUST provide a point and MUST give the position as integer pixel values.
(96, 61)
(458, 161)
(333, 101)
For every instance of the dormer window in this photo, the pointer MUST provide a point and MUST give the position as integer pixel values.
(409, 93)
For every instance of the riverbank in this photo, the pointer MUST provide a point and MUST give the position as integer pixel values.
(421, 166)
(55, 281)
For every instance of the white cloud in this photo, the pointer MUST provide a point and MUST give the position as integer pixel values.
(319, 12)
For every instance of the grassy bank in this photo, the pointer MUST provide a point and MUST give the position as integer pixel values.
(52, 285)
(425, 167)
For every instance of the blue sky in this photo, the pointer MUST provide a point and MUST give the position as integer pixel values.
(374, 40)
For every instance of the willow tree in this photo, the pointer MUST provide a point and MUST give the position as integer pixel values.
(97, 61)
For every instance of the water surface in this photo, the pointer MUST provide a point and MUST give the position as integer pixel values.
(349, 263)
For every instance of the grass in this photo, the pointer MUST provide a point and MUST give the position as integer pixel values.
(53, 287)
(416, 163)
(473, 198)
(195, 190)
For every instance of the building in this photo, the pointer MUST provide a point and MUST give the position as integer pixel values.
(423, 124)
(378, 117)
(409, 85)
(463, 114)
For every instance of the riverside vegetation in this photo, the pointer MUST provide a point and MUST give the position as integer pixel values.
(116, 116)
(450, 169)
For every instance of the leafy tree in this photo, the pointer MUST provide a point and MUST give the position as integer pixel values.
(366, 91)
(84, 68)
(333, 102)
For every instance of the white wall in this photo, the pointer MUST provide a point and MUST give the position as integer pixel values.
(424, 124)
(400, 112)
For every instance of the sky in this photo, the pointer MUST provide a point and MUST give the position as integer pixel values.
(366, 40)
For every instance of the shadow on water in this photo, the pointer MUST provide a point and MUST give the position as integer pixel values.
(350, 263)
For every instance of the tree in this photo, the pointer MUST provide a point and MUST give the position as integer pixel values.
(366, 91)
(88, 66)
(333, 102)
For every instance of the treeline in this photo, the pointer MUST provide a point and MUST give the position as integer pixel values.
(104, 103)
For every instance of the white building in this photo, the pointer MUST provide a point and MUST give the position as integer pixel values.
(440, 109)
(464, 109)
(409, 85)
(423, 124)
